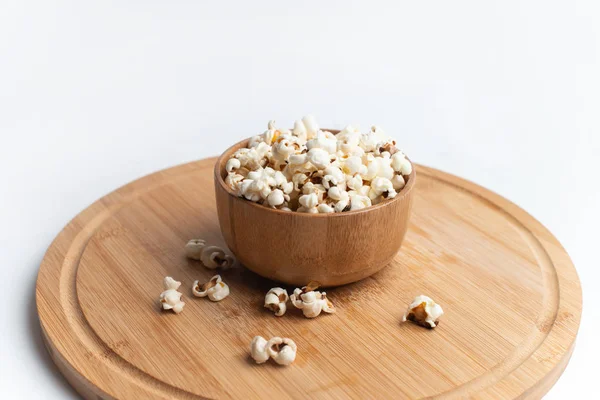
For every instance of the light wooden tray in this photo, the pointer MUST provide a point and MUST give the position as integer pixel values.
(510, 292)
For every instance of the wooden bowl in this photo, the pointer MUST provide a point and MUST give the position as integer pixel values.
(296, 248)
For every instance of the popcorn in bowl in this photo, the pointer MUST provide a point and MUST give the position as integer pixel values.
(310, 170)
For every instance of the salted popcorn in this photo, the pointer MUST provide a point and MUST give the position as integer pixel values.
(170, 299)
(311, 302)
(281, 350)
(311, 170)
(423, 311)
(276, 300)
(215, 289)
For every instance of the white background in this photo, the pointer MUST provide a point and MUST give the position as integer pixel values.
(95, 94)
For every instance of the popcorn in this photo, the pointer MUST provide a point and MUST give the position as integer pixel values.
(250, 190)
(211, 256)
(324, 142)
(311, 126)
(276, 300)
(316, 188)
(398, 182)
(342, 205)
(338, 194)
(258, 349)
(254, 141)
(193, 249)
(310, 301)
(382, 187)
(248, 158)
(284, 169)
(353, 165)
(282, 150)
(233, 164)
(354, 182)
(334, 177)
(312, 210)
(215, 289)
(271, 134)
(325, 208)
(309, 200)
(276, 198)
(423, 311)
(318, 157)
(400, 164)
(282, 350)
(214, 257)
(170, 299)
(300, 131)
(234, 181)
(298, 159)
(358, 201)
(348, 140)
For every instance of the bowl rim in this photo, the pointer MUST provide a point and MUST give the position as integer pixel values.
(218, 176)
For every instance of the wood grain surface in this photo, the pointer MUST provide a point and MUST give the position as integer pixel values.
(511, 296)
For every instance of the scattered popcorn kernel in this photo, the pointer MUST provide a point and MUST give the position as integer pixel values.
(311, 302)
(423, 311)
(214, 257)
(170, 299)
(215, 289)
(193, 249)
(282, 350)
(258, 349)
(276, 300)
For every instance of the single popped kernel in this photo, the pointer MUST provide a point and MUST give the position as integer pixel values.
(170, 299)
(193, 249)
(310, 301)
(215, 289)
(282, 350)
(215, 257)
(258, 349)
(233, 164)
(276, 300)
(381, 188)
(423, 311)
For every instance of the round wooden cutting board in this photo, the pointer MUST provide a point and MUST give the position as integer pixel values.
(511, 296)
